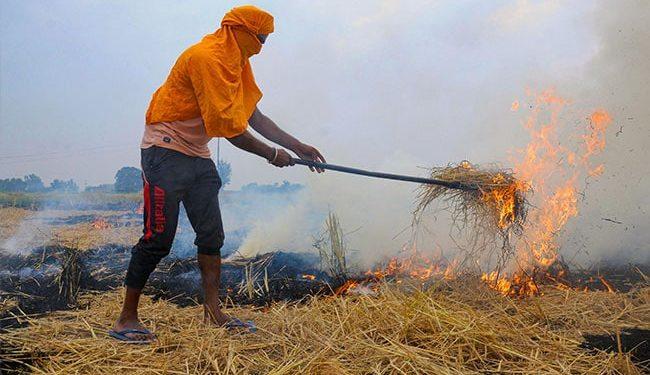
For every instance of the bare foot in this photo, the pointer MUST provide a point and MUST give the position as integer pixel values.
(124, 323)
(214, 315)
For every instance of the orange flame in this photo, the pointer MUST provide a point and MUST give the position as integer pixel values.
(100, 224)
(515, 106)
(597, 171)
(520, 285)
(609, 286)
(549, 168)
(552, 170)
(595, 139)
(346, 287)
(415, 265)
(503, 200)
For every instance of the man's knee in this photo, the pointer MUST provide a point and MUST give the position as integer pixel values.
(151, 249)
(210, 243)
(216, 251)
(144, 259)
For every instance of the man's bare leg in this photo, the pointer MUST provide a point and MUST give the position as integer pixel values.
(210, 266)
(129, 316)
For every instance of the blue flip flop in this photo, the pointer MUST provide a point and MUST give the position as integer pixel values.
(234, 324)
(122, 336)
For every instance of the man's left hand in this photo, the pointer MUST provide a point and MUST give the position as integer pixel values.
(307, 152)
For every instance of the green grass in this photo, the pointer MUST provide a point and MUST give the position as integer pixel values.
(82, 200)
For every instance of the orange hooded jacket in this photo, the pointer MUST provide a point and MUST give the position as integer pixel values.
(213, 79)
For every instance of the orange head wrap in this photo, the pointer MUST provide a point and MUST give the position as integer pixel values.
(252, 18)
(246, 23)
(213, 79)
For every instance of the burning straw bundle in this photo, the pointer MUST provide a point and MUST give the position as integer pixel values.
(492, 200)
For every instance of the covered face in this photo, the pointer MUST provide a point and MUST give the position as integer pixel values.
(246, 23)
(213, 79)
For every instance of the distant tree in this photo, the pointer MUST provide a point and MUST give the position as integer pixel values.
(33, 183)
(128, 180)
(224, 169)
(68, 186)
(12, 185)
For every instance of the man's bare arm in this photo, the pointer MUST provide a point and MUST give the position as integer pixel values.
(247, 142)
(269, 130)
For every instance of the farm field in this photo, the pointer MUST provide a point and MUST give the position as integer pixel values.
(305, 325)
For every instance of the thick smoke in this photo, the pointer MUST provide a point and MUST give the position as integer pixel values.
(416, 110)
(278, 223)
(382, 85)
(32, 231)
(618, 79)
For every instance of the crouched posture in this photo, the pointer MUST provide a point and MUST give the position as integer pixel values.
(210, 92)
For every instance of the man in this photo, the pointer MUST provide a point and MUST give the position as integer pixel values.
(210, 92)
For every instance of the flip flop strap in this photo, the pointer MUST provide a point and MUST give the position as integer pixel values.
(234, 322)
(137, 331)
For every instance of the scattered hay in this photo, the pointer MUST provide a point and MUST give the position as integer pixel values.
(7, 304)
(87, 236)
(459, 329)
(23, 230)
(10, 219)
(254, 271)
(332, 249)
(69, 278)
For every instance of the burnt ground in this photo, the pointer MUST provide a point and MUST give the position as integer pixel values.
(32, 281)
(634, 341)
(50, 279)
(38, 285)
(621, 277)
(35, 281)
(125, 219)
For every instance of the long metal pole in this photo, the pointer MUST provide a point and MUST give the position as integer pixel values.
(387, 176)
(218, 151)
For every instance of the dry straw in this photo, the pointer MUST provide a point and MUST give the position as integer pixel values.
(487, 215)
(463, 328)
(69, 278)
(496, 204)
(332, 249)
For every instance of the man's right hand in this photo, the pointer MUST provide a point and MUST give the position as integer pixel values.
(282, 159)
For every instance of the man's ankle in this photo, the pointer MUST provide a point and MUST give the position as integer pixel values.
(127, 317)
(214, 310)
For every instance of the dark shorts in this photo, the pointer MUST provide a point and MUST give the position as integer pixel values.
(171, 177)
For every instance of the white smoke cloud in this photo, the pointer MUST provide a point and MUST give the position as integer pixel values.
(406, 108)
(520, 13)
(33, 230)
(618, 80)
(288, 227)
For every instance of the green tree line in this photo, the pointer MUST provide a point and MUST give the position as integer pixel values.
(127, 180)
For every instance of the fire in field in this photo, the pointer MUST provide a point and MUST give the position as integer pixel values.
(483, 207)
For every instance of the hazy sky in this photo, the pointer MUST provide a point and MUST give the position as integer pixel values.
(365, 81)
(385, 84)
